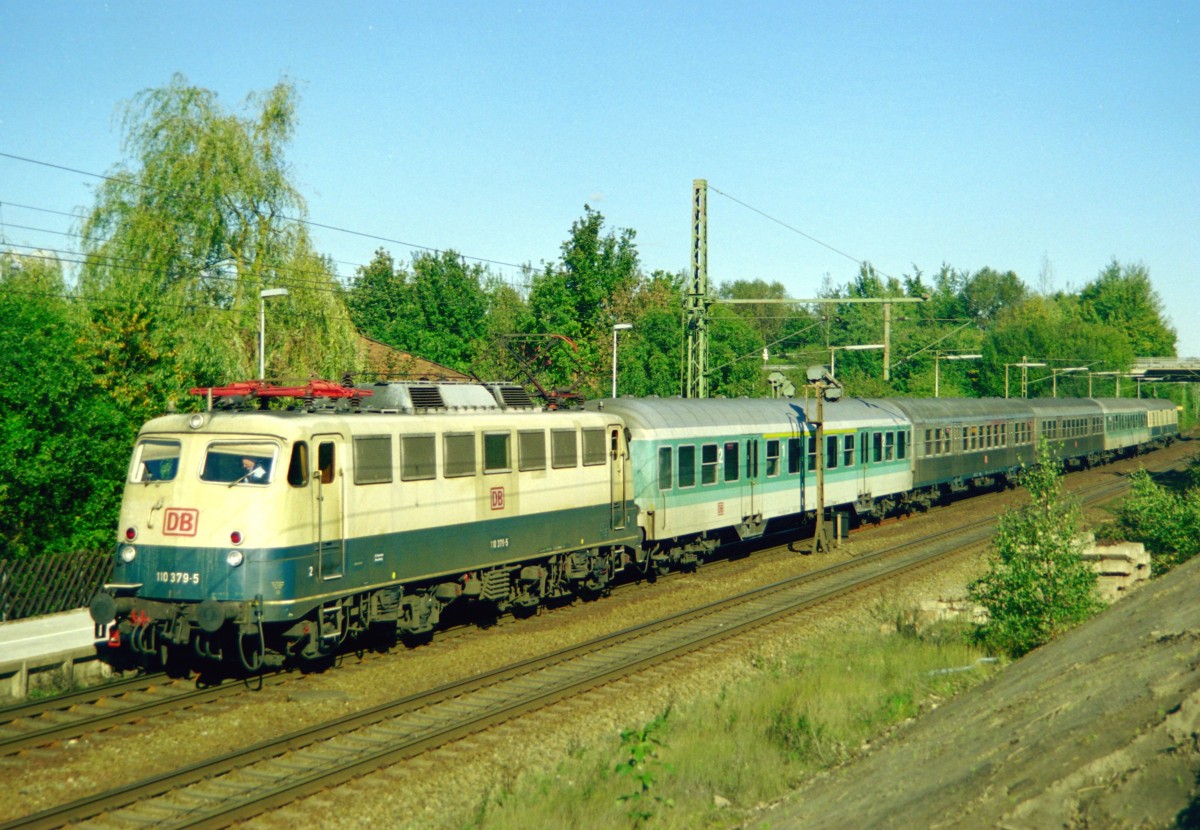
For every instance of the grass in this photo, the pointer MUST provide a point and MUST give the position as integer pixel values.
(711, 762)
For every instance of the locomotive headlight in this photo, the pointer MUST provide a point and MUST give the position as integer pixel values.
(234, 558)
(128, 553)
(196, 421)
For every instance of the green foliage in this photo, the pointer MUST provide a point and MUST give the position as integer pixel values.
(1122, 298)
(63, 441)
(641, 765)
(1036, 585)
(1165, 520)
(182, 238)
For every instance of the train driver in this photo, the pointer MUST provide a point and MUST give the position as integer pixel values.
(254, 470)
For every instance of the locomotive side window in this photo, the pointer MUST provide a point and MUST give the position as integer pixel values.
(664, 468)
(372, 459)
(708, 464)
(593, 446)
(531, 445)
(417, 461)
(564, 449)
(496, 453)
(237, 462)
(297, 474)
(687, 466)
(459, 458)
(156, 459)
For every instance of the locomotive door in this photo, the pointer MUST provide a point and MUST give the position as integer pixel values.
(329, 507)
(618, 486)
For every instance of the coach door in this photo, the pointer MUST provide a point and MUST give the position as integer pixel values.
(618, 486)
(752, 480)
(329, 506)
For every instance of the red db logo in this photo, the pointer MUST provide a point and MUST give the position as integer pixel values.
(497, 498)
(180, 521)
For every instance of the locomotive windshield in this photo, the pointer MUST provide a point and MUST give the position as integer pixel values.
(237, 462)
(155, 459)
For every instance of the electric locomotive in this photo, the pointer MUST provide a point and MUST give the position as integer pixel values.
(257, 535)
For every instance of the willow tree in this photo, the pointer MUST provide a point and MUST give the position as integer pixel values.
(185, 233)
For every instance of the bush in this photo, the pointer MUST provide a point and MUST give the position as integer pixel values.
(1037, 585)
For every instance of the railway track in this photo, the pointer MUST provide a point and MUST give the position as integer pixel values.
(242, 784)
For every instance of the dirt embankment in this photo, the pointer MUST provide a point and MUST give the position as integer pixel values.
(1100, 729)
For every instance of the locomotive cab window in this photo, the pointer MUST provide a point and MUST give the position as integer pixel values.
(297, 474)
(156, 459)
(239, 462)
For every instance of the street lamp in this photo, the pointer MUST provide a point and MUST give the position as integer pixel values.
(937, 357)
(616, 328)
(834, 349)
(262, 325)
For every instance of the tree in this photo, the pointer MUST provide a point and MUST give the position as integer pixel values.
(63, 442)
(183, 236)
(1122, 298)
(1036, 585)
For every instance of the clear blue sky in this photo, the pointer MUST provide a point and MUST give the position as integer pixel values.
(1046, 138)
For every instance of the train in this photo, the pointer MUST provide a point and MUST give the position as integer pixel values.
(254, 535)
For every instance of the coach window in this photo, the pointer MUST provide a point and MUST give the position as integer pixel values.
(496, 457)
(459, 458)
(593, 446)
(298, 467)
(417, 457)
(812, 451)
(772, 457)
(708, 464)
(564, 450)
(831, 452)
(794, 456)
(372, 459)
(848, 451)
(889, 447)
(687, 466)
(531, 448)
(732, 460)
(877, 445)
(664, 468)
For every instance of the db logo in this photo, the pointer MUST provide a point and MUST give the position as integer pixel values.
(180, 521)
(497, 498)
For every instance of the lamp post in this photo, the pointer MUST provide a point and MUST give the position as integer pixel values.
(833, 350)
(616, 328)
(262, 326)
(937, 357)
